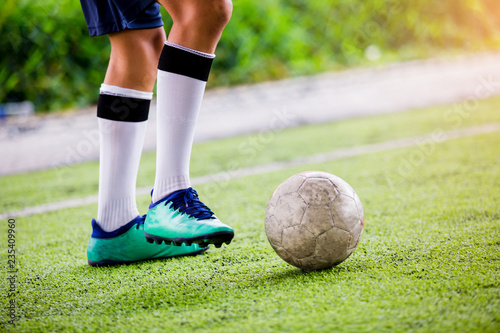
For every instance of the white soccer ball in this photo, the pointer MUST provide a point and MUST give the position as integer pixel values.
(314, 220)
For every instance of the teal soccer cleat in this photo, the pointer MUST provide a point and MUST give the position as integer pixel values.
(182, 218)
(128, 244)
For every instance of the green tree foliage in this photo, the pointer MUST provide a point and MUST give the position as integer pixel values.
(47, 57)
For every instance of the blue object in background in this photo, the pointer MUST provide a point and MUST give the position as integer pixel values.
(25, 108)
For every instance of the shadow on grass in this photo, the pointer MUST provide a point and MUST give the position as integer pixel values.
(273, 275)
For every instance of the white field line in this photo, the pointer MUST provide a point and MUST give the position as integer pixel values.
(277, 166)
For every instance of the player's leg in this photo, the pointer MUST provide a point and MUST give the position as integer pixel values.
(182, 74)
(183, 70)
(118, 233)
(123, 110)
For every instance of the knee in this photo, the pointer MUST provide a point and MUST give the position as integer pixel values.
(223, 9)
(207, 14)
(157, 41)
(149, 46)
(145, 44)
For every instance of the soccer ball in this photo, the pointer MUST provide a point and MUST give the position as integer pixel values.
(314, 220)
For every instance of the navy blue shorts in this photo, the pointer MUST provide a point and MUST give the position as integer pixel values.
(106, 16)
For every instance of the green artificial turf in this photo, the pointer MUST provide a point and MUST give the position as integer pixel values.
(26, 190)
(428, 261)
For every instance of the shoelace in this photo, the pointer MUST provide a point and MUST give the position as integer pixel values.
(187, 202)
(143, 218)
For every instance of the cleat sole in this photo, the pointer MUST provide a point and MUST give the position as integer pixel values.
(105, 263)
(216, 238)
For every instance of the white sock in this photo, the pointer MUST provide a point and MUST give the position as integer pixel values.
(122, 119)
(182, 76)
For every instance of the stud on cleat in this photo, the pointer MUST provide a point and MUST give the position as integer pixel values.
(158, 241)
(150, 240)
(177, 243)
(218, 245)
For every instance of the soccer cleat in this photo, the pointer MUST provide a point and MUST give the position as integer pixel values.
(127, 244)
(182, 218)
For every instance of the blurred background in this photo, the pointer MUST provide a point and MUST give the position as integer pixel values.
(47, 57)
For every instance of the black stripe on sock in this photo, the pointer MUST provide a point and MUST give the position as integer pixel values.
(185, 63)
(123, 108)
